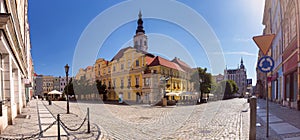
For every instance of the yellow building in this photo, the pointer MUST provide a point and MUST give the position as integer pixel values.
(135, 76)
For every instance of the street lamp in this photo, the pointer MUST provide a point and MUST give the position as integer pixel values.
(67, 74)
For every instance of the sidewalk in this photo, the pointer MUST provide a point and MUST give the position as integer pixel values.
(39, 117)
(284, 123)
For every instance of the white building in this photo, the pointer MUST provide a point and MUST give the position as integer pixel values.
(16, 71)
(238, 75)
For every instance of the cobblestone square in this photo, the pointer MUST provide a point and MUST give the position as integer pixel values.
(213, 120)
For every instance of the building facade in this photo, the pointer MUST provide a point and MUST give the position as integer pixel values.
(135, 76)
(38, 86)
(282, 19)
(48, 84)
(218, 78)
(238, 75)
(16, 67)
(56, 83)
(62, 83)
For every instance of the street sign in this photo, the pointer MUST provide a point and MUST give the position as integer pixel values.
(265, 64)
(264, 42)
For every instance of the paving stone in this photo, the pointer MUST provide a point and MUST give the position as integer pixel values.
(284, 128)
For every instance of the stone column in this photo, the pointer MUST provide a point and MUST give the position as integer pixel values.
(8, 95)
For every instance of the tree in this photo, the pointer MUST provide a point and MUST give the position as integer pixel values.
(202, 81)
(226, 89)
(235, 88)
(101, 89)
(69, 88)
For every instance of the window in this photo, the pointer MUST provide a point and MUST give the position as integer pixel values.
(122, 66)
(114, 68)
(137, 63)
(137, 80)
(109, 83)
(293, 30)
(145, 43)
(146, 81)
(129, 95)
(114, 82)
(128, 82)
(128, 64)
(122, 83)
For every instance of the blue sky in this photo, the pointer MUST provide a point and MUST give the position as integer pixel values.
(58, 28)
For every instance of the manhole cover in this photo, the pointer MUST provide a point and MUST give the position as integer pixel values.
(145, 118)
(204, 131)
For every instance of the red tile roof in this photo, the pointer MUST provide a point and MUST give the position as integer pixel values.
(149, 60)
(182, 64)
(164, 62)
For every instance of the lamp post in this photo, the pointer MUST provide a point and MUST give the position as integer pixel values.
(67, 74)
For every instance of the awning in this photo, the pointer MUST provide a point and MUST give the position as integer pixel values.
(173, 94)
(55, 92)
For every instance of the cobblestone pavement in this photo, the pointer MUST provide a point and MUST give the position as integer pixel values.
(74, 121)
(27, 123)
(284, 115)
(24, 127)
(213, 120)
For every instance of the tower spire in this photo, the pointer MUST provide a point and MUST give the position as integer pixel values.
(140, 39)
(242, 64)
(242, 60)
(140, 28)
(140, 14)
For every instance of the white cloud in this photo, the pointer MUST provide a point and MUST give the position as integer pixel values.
(240, 53)
(236, 53)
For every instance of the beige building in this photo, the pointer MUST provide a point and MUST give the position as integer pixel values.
(16, 70)
(48, 84)
(86, 74)
(134, 75)
(218, 78)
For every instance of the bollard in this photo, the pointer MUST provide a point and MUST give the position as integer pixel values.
(1, 102)
(88, 117)
(252, 134)
(58, 127)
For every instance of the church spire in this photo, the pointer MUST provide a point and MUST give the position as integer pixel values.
(242, 64)
(242, 60)
(140, 28)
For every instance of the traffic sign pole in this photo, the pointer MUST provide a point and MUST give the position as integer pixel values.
(265, 64)
(267, 100)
